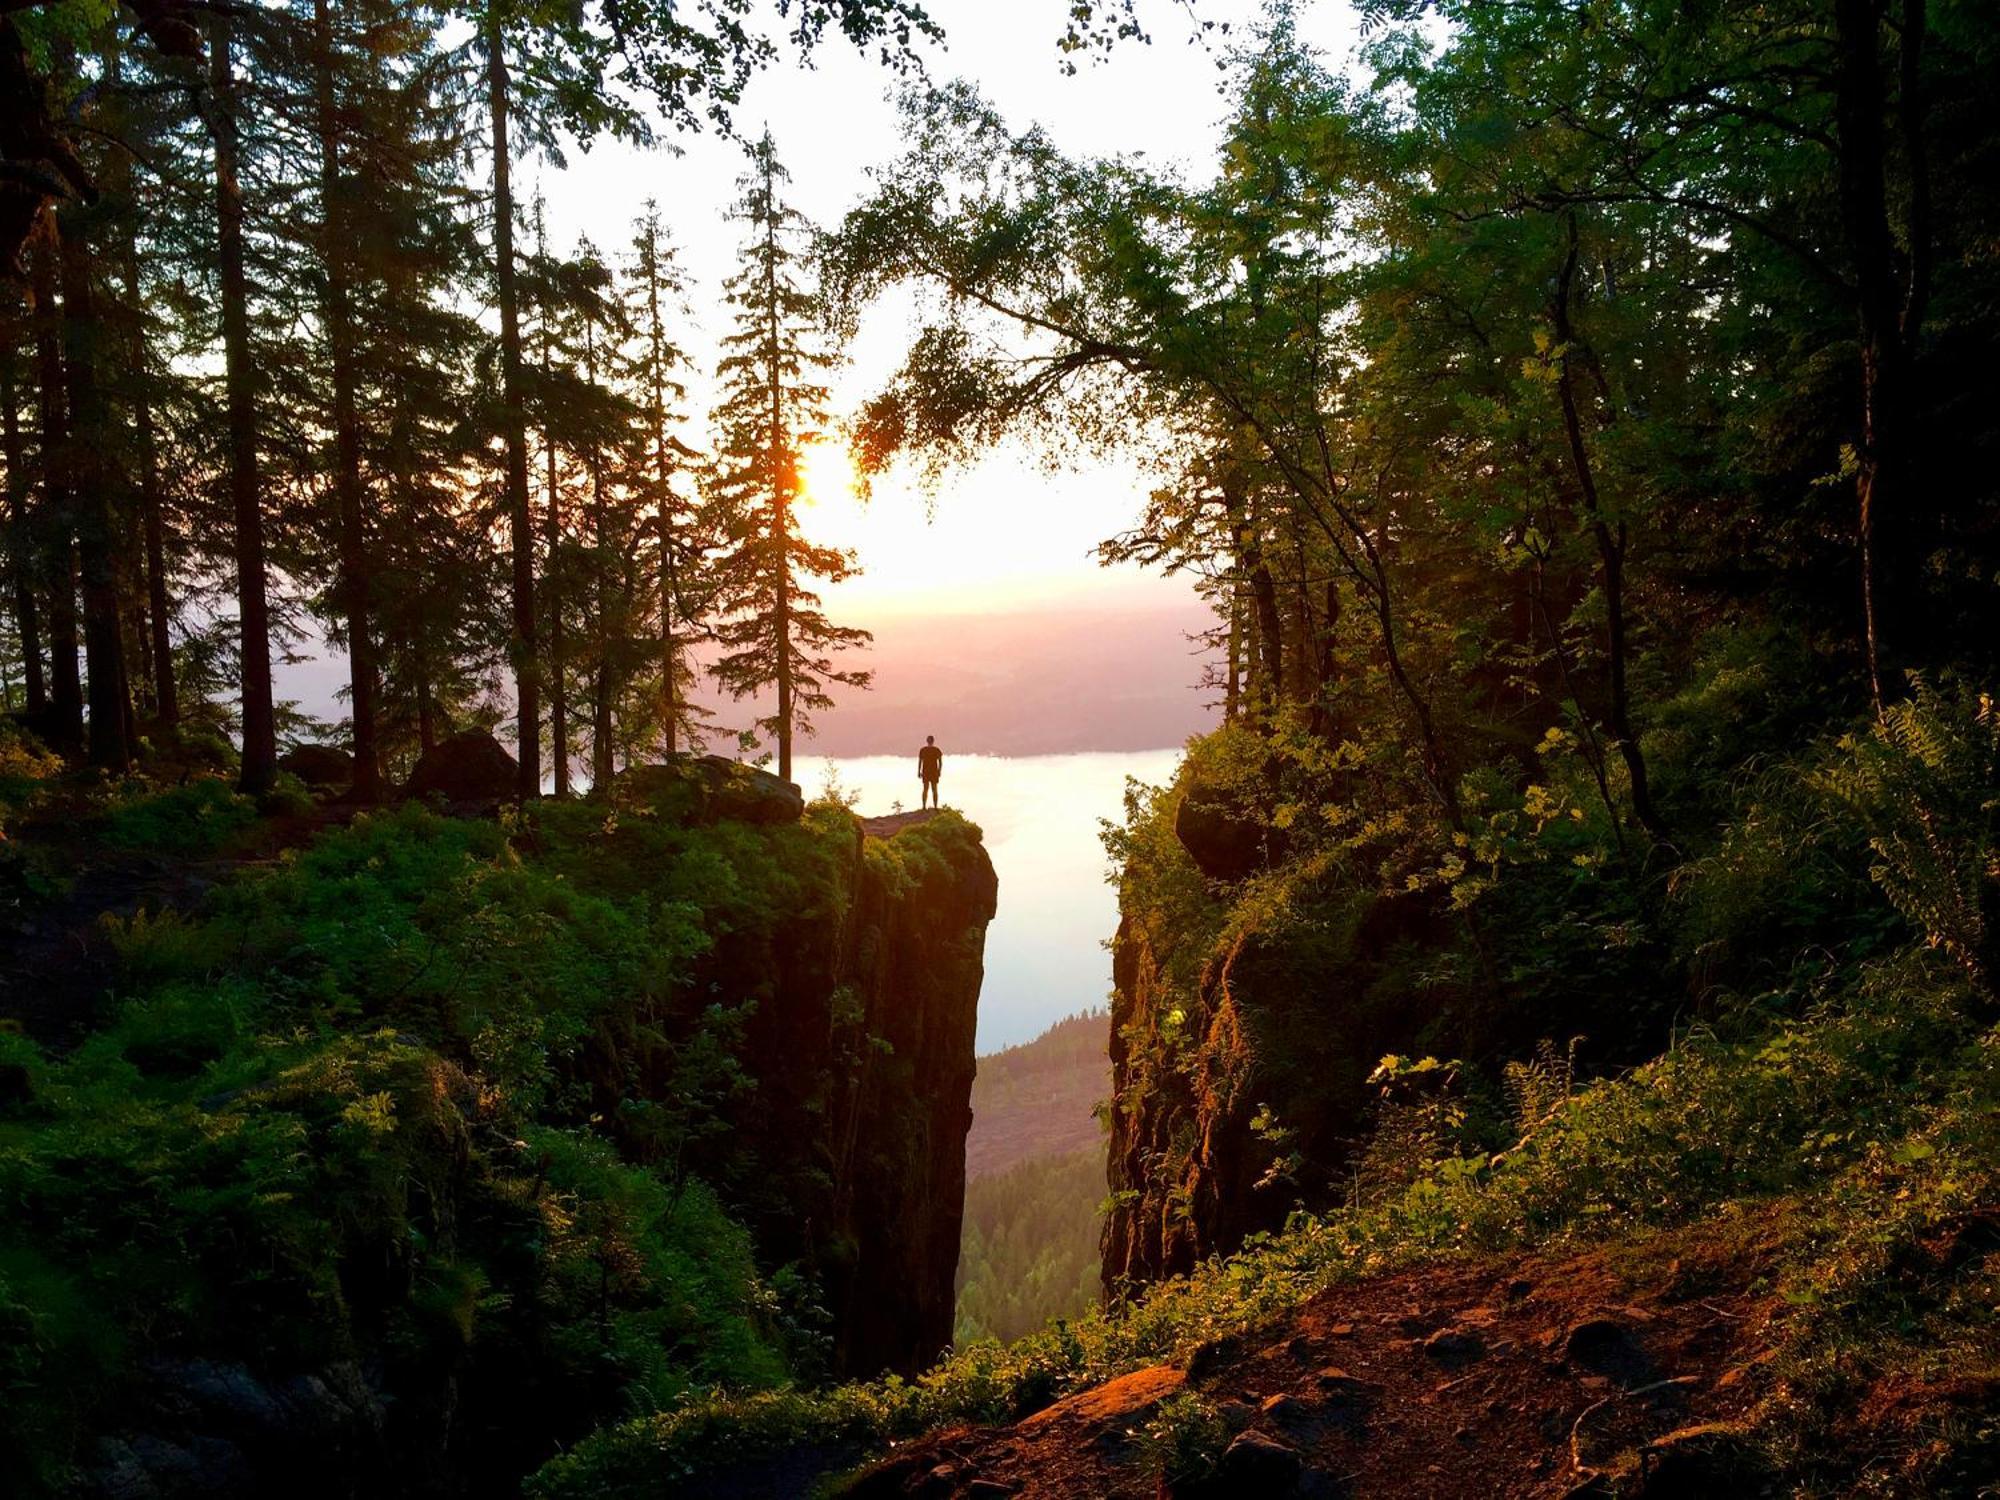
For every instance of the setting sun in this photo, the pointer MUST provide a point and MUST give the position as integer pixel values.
(826, 475)
(797, 747)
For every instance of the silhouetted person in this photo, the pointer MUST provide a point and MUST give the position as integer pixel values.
(930, 766)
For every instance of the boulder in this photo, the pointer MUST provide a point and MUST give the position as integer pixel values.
(469, 767)
(1454, 1348)
(1692, 1463)
(1225, 840)
(1605, 1346)
(1213, 1356)
(1256, 1463)
(704, 789)
(319, 765)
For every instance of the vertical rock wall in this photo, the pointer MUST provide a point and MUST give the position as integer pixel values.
(861, 1043)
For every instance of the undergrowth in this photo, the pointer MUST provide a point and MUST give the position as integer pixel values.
(1877, 1116)
(1854, 1097)
(354, 1111)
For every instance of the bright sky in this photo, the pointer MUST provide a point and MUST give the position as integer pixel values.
(1005, 534)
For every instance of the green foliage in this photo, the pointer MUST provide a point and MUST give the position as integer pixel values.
(424, 1091)
(1028, 1254)
(25, 766)
(198, 818)
(1924, 784)
(1886, 1099)
(1181, 1441)
(924, 853)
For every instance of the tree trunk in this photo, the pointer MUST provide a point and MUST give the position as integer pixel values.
(601, 725)
(1611, 544)
(159, 653)
(1324, 668)
(363, 671)
(139, 643)
(91, 479)
(64, 727)
(604, 687)
(1267, 666)
(1882, 457)
(427, 736)
(782, 466)
(520, 524)
(21, 539)
(670, 708)
(260, 727)
(552, 602)
(1232, 686)
(552, 591)
(781, 623)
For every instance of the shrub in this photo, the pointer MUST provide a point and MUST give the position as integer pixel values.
(1886, 1092)
(194, 820)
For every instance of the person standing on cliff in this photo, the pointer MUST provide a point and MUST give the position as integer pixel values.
(930, 766)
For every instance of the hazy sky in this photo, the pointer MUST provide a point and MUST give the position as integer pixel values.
(1006, 534)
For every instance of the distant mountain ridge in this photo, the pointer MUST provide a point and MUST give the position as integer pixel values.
(1039, 1099)
(1051, 681)
(1041, 682)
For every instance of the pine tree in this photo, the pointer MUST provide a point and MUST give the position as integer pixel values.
(337, 319)
(260, 726)
(513, 423)
(23, 560)
(54, 530)
(682, 533)
(775, 631)
(423, 553)
(366, 413)
(581, 420)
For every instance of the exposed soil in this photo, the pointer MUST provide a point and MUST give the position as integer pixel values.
(1623, 1371)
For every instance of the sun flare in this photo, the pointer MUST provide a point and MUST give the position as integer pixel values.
(826, 474)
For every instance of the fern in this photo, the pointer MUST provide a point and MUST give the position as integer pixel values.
(1923, 785)
(1538, 1086)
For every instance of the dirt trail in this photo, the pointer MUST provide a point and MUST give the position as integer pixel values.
(1617, 1372)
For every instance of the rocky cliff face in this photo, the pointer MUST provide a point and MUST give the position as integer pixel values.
(1243, 1032)
(861, 1044)
(743, 1161)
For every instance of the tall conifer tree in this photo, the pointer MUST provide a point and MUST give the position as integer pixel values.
(777, 635)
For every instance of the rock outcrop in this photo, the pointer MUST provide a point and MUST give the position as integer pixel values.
(471, 766)
(1276, 1016)
(320, 766)
(841, 970)
(1226, 840)
(861, 1041)
(709, 789)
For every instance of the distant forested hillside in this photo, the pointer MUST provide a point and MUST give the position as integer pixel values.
(1039, 1099)
(1034, 1168)
(1030, 1247)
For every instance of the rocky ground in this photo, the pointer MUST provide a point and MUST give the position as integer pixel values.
(1618, 1372)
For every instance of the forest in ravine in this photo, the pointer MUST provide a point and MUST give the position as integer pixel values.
(1553, 1030)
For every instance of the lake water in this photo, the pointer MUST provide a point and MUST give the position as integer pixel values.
(1045, 952)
